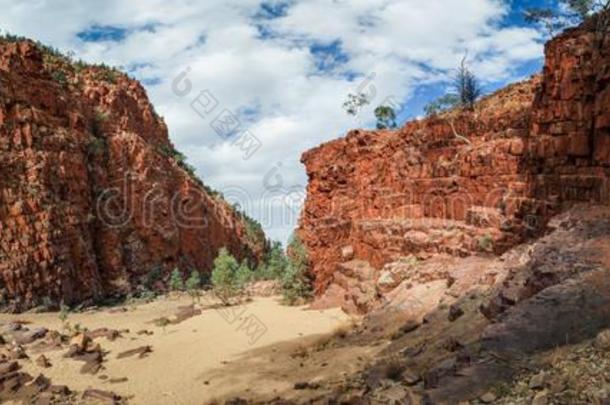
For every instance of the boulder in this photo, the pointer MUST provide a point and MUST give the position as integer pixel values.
(80, 341)
(602, 341)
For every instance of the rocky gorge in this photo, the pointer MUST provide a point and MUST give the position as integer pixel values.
(93, 196)
(470, 249)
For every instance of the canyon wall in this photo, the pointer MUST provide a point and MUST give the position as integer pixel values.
(465, 182)
(94, 199)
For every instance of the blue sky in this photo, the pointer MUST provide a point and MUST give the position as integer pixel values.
(284, 69)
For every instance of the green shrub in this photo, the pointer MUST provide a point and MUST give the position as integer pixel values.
(355, 103)
(254, 230)
(194, 281)
(60, 77)
(171, 152)
(147, 295)
(386, 117)
(101, 116)
(193, 284)
(243, 275)
(441, 104)
(107, 74)
(573, 12)
(175, 281)
(64, 314)
(223, 274)
(274, 265)
(296, 282)
(486, 243)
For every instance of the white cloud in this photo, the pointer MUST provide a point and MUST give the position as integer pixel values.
(273, 79)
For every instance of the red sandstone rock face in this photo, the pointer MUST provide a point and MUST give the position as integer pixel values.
(533, 149)
(90, 199)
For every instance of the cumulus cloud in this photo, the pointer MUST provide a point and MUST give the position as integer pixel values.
(283, 68)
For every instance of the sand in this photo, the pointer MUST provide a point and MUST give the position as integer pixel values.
(188, 359)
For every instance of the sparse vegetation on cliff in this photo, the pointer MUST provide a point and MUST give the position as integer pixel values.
(386, 117)
(466, 91)
(354, 103)
(181, 160)
(62, 66)
(568, 13)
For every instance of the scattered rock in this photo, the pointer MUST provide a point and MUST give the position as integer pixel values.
(488, 398)
(42, 361)
(110, 334)
(394, 394)
(141, 352)
(537, 381)
(410, 326)
(27, 336)
(347, 252)
(14, 380)
(99, 395)
(73, 350)
(8, 367)
(387, 281)
(306, 385)
(59, 389)
(602, 341)
(44, 398)
(541, 398)
(17, 353)
(409, 377)
(80, 341)
(455, 312)
(40, 383)
(91, 367)
(10, 328)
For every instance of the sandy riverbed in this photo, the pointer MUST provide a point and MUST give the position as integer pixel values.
(186, 357)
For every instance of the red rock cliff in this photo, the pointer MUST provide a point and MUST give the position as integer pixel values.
(465, 181)
(92, 197)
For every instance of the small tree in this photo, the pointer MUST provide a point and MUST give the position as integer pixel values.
(444, 103)
(175, 281)
(193, 284)
(64, 314)
(572, 12)
(243, 275)
(466, 86)
(354, 103)
(296, 282)
(275, 263)
(545, 17)
(386, 117)
(223, 275)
